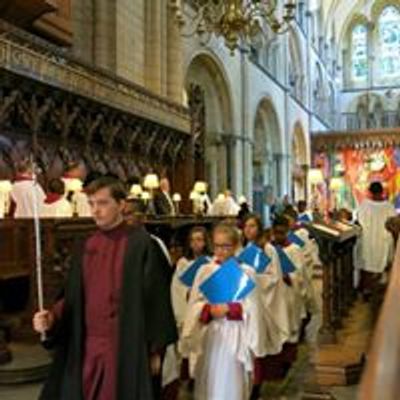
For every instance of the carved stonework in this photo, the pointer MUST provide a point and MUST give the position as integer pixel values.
(61, 129)
(198, 128)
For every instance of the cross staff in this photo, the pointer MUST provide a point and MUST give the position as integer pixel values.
(38, 244)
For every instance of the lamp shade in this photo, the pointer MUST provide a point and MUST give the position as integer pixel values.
(151, 181)
(194, 195)
(145, 196)
(5, 186)
(176, 197)
(73, 185)
(315, 176)
(200, 187)
(335, 183)
(136, 190)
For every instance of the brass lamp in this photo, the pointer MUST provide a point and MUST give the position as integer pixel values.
(236, 21)
(176, 198)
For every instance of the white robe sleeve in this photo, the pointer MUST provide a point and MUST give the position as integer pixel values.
(179, 292)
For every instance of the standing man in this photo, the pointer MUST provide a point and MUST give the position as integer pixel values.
(375, 247)
(112, 326)
(162, 200)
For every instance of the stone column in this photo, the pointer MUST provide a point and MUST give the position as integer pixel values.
(175, 73)
(104, 34)
(82, 26)
(153, 45)
(130, 39)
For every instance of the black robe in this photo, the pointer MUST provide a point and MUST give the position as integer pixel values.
(146, 323)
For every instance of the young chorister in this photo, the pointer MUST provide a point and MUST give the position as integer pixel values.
(291, 260)
(197, 253)
(223, 326)
(261, 261)
(300, 236)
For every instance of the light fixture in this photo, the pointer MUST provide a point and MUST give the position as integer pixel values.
(176, 198)
(151, 181)
(135, 191)
(237, 21)
(335, 183)
(146, 197)
(315, 176)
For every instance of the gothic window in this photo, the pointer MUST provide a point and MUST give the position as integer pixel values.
(359, 52)
(389, 42)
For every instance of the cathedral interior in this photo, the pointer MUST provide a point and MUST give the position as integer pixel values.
(271, 101)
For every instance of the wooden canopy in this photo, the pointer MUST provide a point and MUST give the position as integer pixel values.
(365, 139)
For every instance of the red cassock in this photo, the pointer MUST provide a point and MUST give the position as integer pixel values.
(116, 312)
(102, 277)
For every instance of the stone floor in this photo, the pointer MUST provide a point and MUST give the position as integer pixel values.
(31, 392)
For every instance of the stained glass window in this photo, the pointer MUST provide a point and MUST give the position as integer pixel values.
(389, 42)
(359, 52)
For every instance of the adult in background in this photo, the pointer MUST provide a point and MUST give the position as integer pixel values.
(163, 203)
(375, 246)
(115, 320)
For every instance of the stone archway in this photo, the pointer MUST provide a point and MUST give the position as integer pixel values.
(205, 76)
(300, 163)
(267, 157)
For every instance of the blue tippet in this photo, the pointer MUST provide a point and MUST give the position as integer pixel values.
(304, 218)
(229, 283)
(287, 265)
(293, 238)
(255, 257)
(189, 275)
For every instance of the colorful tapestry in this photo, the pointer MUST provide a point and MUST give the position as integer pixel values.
(359, 168)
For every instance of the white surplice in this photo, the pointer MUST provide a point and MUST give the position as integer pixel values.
(81, 201)
(376, 243)
(273, 302)
(24, 193)
(311, 260)
(294, 294)
(222, 351)
(61, 208)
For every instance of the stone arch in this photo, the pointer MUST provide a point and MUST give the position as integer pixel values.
(206, 72)
(300, 162)
(267, 155)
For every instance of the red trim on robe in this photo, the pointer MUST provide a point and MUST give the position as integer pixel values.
(286, 244)
(52, 198)
(235, 312)
(23, 177)
(205, 315)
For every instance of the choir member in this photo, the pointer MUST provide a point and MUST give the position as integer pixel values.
(112, 326)
(223, 329)
(55, 204)
(25, 192)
